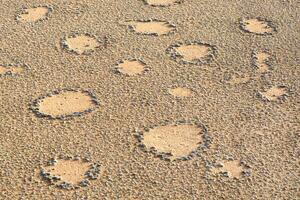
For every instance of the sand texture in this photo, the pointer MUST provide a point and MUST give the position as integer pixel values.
(176, 140)
(181, 92)
(232, 168)
(69, 171)
(258, 26)
(11, 70)
(132, 67)
(151, 27)
(81, 44)
(149, 99)
(162, 3)
(33, 14)
(60, 104)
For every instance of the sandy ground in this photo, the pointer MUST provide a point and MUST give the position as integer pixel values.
(149, 99)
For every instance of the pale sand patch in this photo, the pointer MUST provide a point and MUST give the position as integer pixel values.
(161, 2)
(233, 168)
(12, 70)
(66, 103)
(193, 52)
(70, 171)
(181, 92)
(81, 44)
(261, 62)
(151, 27)
(33, 14)
(274, 93)
(237, 79)
(196, 53)
(179, 140)
(262, 57)
(257, 26)
(131, 67)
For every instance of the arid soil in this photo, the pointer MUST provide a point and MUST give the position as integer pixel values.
(149, 99)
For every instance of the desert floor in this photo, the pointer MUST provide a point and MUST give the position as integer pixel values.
(149, 99)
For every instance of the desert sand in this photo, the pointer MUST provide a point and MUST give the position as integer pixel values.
(149, 99)
(131, 67)
(151, 27)
(11, 70)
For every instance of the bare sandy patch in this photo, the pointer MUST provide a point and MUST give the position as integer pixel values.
(181, 92)
(174, 141)
(239, 79)
(131, 67)
(81, 44)
(70, 173)
(192, 53)
(34, 14)
(258, 26)
(65, 103)
(151, 27)
(11, 70)
(274, 93)
(261, 61)
(162, 2)
(233, 168)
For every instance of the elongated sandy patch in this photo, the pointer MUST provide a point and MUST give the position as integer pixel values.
(197, 53)
(261, 61)
(70, 173)
(176, 140)
(131, 67)
(258, 26)
(33, 14)
(151, 27)
(274, 93)
(239, 79)
(81, 44)
(65, 103)
(162, 2)
(11, 70)
(233, 168)
(193, 51)
(181, 92)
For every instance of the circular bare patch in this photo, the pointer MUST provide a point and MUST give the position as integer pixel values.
(11, 70)
(181, 92)
(70, 173)
(34, 14)
(162, 3)
(275, 93)
(239, 79)
(131, 67)
(262, 61)
(151, 27)
(81, 44)
(174, 141)
(192, 53)
(258, 26)
(65, 103)
(230, 168)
